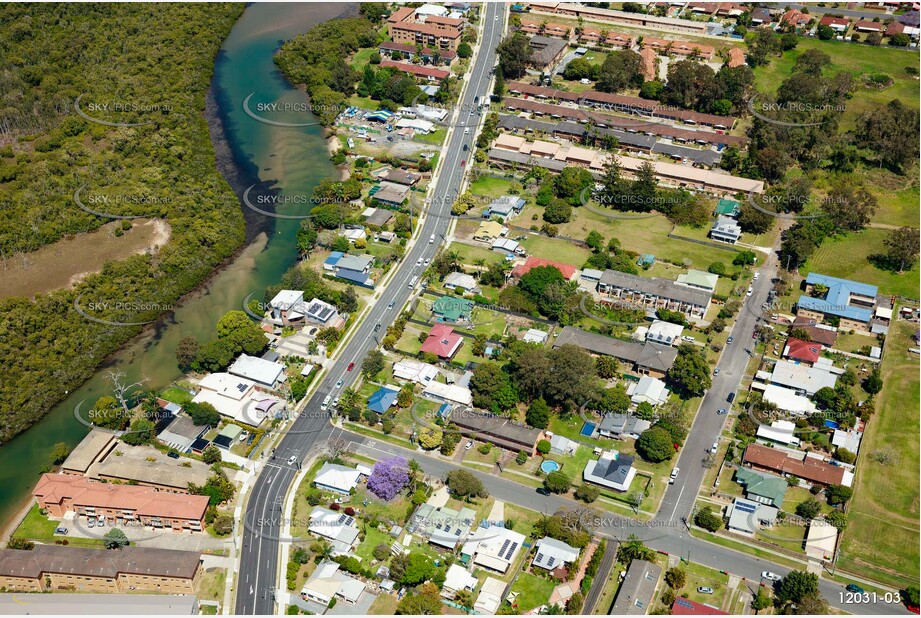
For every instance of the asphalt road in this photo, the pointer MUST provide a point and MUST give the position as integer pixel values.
(262, 519)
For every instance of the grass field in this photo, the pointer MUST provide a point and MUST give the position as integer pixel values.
(555, 249)
(846, 257)
(532, 591)
(881, 540)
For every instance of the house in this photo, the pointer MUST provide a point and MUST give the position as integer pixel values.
(801, 378)
(648, 390)
(451, 393)
(620, 425)
(747, 517)
(383, 399)
(638, 589)
(647, 358)
(687, 607)
(442, 526)
(821, 540)
(331, 262)
(786, 399)
(851, 302)
(60, 494)
(391, 192)
(417, 125)
(652, 293)
(288, 306)
(663, 332)
(378, 217)
(488, 231)
(337, 478)
(865, 25)
(456, 579)
(414, 371)
(561, 445)
(48, 568)
(736, 58)
(535, 336)
(699, 280)
(403, 27)
(336, 527)
(763, 488)
(406, 51)
(568, 271)
(227, 436)
(781, 432)
(452, 309)
(726, 207)
(795, 18)
(680, 48)
(231, 396)
(818, 333)
(498, 430)
(490, 598)
(796, 463)
(505, 245)
(761, 17)
(442, 341)
(358, 263)
(838, 24)
(324, 314)
(328, 582)
(551, 554)
(545, 52)
(610, 470)
(802, 351)
(649, 63)
(506, 207)
(401, 177)
(726, 230)
(260, 371)
(848, 440)
(493, 548)
(354, 234)
(182, 433)
(460, 280)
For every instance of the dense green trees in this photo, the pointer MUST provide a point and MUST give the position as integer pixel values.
(47, 348)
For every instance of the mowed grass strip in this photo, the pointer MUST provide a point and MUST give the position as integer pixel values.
(881, 540)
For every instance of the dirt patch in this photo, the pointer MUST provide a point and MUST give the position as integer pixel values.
(66, 262)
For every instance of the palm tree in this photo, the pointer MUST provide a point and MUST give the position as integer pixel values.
(414, 470)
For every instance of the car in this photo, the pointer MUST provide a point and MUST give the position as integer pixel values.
(731, 397)
(472, 112)
(722, 411)
(850, 587)
(469, 445)
(755, 277)
(716, 371)
(101, 522)
(377, 326)
(427, 261)
(774, 577)
(391, 304)
(419, 262)
(705, 590)
(292, 460)
(173, 455)
(466, 130)
(729, 341)
(339, 384)
(464, 163)
(431, 240)
(336, 402)
(476, 99)
(674, 475)
(350, 367)
(750, 290)
(63, 530)
(466, 147)
(715, 447)
(91, 522)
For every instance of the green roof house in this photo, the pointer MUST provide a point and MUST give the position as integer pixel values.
(450, 309)
(727, 208)
(763, 488)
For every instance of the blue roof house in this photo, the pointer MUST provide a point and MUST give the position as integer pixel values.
(847, 300)
(383, 399)
(333, 259)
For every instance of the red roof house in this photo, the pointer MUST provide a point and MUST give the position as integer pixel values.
(687, 607)
(805, 351)
(417, 70)
(533, 262)
(442, 341)
(865, 25)
(736, 57)
(807, 468)
(795, 18)
(836, 23)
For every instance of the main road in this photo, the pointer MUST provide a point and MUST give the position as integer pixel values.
(262, 520)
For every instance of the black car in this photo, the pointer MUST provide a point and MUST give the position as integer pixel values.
(173, 455)
(728, 341)
(731, 397)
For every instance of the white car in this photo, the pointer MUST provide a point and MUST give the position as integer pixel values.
(774, 577)
(339, 384)
(755, 277)
(469, 445)
(715, 447)
(432, 237)
(292, 460)
(674, 475)
(749, 292)
(427, 260)
(419, 262)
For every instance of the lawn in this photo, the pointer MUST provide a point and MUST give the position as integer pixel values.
(361, 58)
(490, 186)
(435, 138)
(897, 196)
(881, 540)
(373, 538)
(467, 254)
(384, 605)
(211, 584)
(847, 257)
(555, 249)
(699, 575)
(532, 591)
(176, 395)
(37, 527)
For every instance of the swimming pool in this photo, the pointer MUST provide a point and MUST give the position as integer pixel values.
(588, 429)
(549, 466)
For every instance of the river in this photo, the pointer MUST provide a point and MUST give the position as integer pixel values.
(290, 159)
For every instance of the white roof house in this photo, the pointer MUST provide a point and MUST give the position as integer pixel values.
(535, 336)
(335, 477)
(611, 469)
(848, 440)
(456, 579)
(747, 517)
(288, 304)
(726, 230)
(787, 400)
(664, 332)
(494, 548)
(448, 392)
(354, 234)
(321, 312)
(416, 124)
(414, 371)
(490, 597)
(821, 540)
(802, 377)
(328, 582)
(650, 390)
(552, 553)
(504, 244)
(460, 280)
(427, 10)
(561, 445)
(264, 372)
(782, 432)
(231, 396)
(338, 528)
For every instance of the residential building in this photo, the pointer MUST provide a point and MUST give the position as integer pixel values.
(450, 393)
(622, 425)
(781, 432)
(493, 548)
(680, 48)
(569, 272)
(648, 390)
(796, 463)
(403, 27)
(140, 465)
(736, 58)
(442, 526)
(612, 470)
(802, 378)
(747, 517)
(647, 358)
(666, 333)
(94, 447)
(551, 554)
(391, 192)
(426, 73)
(330, 262)
(328, 582)
(260, 371)
(498, 430)
(60, 494)
(851, 302)
(377, 217)
(456, 579)
(821, 540)
(231, 396)
(596, 14)
(637, 591)
(867, 26)
(818, 333)
(452, 309)
(786, 400)
(802, 351)
(687, 607)
(838, 24)
(488, 231)
(698, 280)
(442, 341)
(561, 445)
(354, 234)
(506, 207)
(490, 598)
(535, 336)
(762, 488)
(726, 229)
(545, 52)
(651, 293)
(406, 51)
(337, 478)
(726, 207)
(460, 280)
(414, 371)
(182, 433)
(336, 527)
(99, 604)
(229, 434)
(81, 569)
(761, 17)
(848, 439)
(288, 306)
(615, 39)
(324, 314)
(530, 26)
(383, 399)
(795, 18)
(401, 177)
(650, 63)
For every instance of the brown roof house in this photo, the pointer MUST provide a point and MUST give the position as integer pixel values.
(497, 430)
(798, 464)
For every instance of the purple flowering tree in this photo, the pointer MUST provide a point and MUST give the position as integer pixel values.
(389, 477)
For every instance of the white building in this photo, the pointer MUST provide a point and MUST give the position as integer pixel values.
(414, 371)
(336, 527)
(231, 396)
(747, 517)
(490, 597)
(263, 372)
(354, 234)
(649, 390)
(802, 378)
(561, 445)
(664, 332)
(494, 548)
(288, 306)
(726, 230)
(786, 399)
(535, 336)
(450, 393)
(337, 478)
(782, 432)
(460, 280)
(416, 124)
(610, 470)
(821, 540)
(552, 554)
(456, 579)
(328, 582)
(848, 440)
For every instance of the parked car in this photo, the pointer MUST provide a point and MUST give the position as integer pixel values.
(715, 447)
(729, 341)
(91, 522)
(716, 371)
(173, 455)
(674, 475)
(101, 522)
(705, 590)
(469, 445)
(774, 577)
(721, 411)
(850, 588)
(63, 530)
(731, 397)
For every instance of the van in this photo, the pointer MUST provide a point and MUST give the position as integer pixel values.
(412, 282)
(326, 402)
(731, 397)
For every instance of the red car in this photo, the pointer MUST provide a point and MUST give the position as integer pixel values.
(464, 162)
(351, 366)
